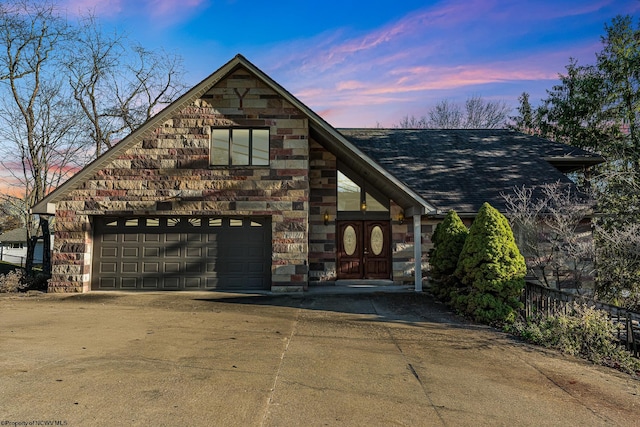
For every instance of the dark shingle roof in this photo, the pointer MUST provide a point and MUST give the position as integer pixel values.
(461, 169)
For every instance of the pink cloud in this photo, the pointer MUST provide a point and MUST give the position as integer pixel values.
(168, 8)
(12, 181)
(350, 85)
(9, 184)
(398, 82)
(421, 22)
(433, 78)
(541, 10)
(171, 10)
(11, 166)
(97, 7)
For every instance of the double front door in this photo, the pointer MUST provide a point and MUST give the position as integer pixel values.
(364, 249)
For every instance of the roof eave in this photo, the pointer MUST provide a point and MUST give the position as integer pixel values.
(568, 164)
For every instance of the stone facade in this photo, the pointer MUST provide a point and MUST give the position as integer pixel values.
(168, 173)
(164, 171)
(322, 238)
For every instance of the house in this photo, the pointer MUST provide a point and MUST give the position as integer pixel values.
(239, 185)
(13, 247)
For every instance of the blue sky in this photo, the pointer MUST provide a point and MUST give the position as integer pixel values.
(363, 63)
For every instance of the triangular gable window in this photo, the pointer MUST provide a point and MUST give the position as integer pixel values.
(354, 197)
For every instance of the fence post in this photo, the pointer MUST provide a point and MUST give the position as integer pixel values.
(630, 339)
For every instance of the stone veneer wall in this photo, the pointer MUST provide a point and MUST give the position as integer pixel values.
(322, 238)
(173, 161)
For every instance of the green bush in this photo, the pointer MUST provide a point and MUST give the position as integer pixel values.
(448, 240)
(583, 331)
(490, 269)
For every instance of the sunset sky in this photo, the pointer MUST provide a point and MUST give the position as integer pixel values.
(367, 63)
(359, 63)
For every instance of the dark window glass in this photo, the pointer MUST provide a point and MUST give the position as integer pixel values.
(239, 147)
(260, 147)
(220, 147)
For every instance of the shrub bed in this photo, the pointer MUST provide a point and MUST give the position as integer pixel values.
(582, 331)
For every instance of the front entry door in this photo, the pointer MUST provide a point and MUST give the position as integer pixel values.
(364, 250)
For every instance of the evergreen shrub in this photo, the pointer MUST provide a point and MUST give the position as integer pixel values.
(490, 269)
(448, 239)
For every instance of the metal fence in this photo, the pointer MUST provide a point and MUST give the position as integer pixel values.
(13, 259)
(540, 300)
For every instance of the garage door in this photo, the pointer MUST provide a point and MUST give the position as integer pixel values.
(181, 253)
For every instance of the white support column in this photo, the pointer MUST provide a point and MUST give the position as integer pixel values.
(417, 251)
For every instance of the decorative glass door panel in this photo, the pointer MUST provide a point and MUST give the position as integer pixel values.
(364, 249)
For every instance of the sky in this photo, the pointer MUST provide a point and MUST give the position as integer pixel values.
(369, 63)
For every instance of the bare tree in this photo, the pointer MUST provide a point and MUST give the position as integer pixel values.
(553, 231)
(10, 213)
(67, 93)
(481, 114)
(618, 262)
(475, 114)
(32, 35)
(445, 115)
(119, 85)
(412, 123)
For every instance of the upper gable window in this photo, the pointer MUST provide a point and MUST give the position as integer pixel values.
(353, 197)
(239, 147)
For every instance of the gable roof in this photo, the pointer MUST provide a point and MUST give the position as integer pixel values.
(17, 235)
(319, 129)
(462, 169)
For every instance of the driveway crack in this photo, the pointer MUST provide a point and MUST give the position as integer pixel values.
(410, 367)
(280, 364)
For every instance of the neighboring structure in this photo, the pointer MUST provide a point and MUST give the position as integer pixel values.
(238, 185)
(13, 247)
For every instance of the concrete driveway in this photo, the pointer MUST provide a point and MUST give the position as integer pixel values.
(216, 359)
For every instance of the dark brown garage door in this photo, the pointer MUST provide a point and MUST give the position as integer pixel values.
(181, 253)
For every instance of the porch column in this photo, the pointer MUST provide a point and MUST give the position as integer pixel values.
(417, 251)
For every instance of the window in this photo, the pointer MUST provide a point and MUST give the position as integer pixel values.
(353, 197)
(153, 222)
(239, 147)
(349, 194)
